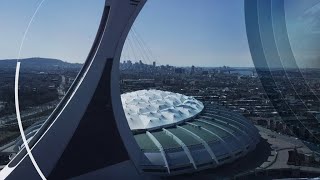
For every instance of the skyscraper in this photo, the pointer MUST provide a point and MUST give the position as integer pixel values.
(192, 69)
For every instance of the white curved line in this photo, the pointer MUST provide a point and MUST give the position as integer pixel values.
(16, 96)
(16, 89)
(27, 29)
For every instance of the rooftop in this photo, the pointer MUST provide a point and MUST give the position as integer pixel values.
(153, 109)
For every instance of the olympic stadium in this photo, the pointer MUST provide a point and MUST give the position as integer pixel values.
(179, 134)
(91, 134)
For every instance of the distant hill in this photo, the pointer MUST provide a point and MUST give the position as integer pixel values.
(37, 64)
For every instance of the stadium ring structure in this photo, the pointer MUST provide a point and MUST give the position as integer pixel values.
(179, 134)
(92, 110)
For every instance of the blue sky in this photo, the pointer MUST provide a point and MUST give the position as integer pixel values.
(303, 23)
(62, 29)
(210, 33)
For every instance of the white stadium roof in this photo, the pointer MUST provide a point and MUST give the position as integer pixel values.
(150, 109)
(180, 130)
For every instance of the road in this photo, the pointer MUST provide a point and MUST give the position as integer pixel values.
(61, 89)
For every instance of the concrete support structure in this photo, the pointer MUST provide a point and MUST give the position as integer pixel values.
(203, 142)
(87, 135)
(184, 147)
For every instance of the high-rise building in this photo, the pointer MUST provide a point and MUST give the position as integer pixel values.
(192, 69)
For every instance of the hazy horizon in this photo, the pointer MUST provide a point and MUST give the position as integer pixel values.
(252, 67)
(210, 36)
(204, 37)
(66, 61)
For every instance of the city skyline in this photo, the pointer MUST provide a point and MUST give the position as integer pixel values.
(210, 36)
(201, 90)
(206, 38)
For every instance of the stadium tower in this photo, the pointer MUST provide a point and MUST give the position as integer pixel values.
(87, 135)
